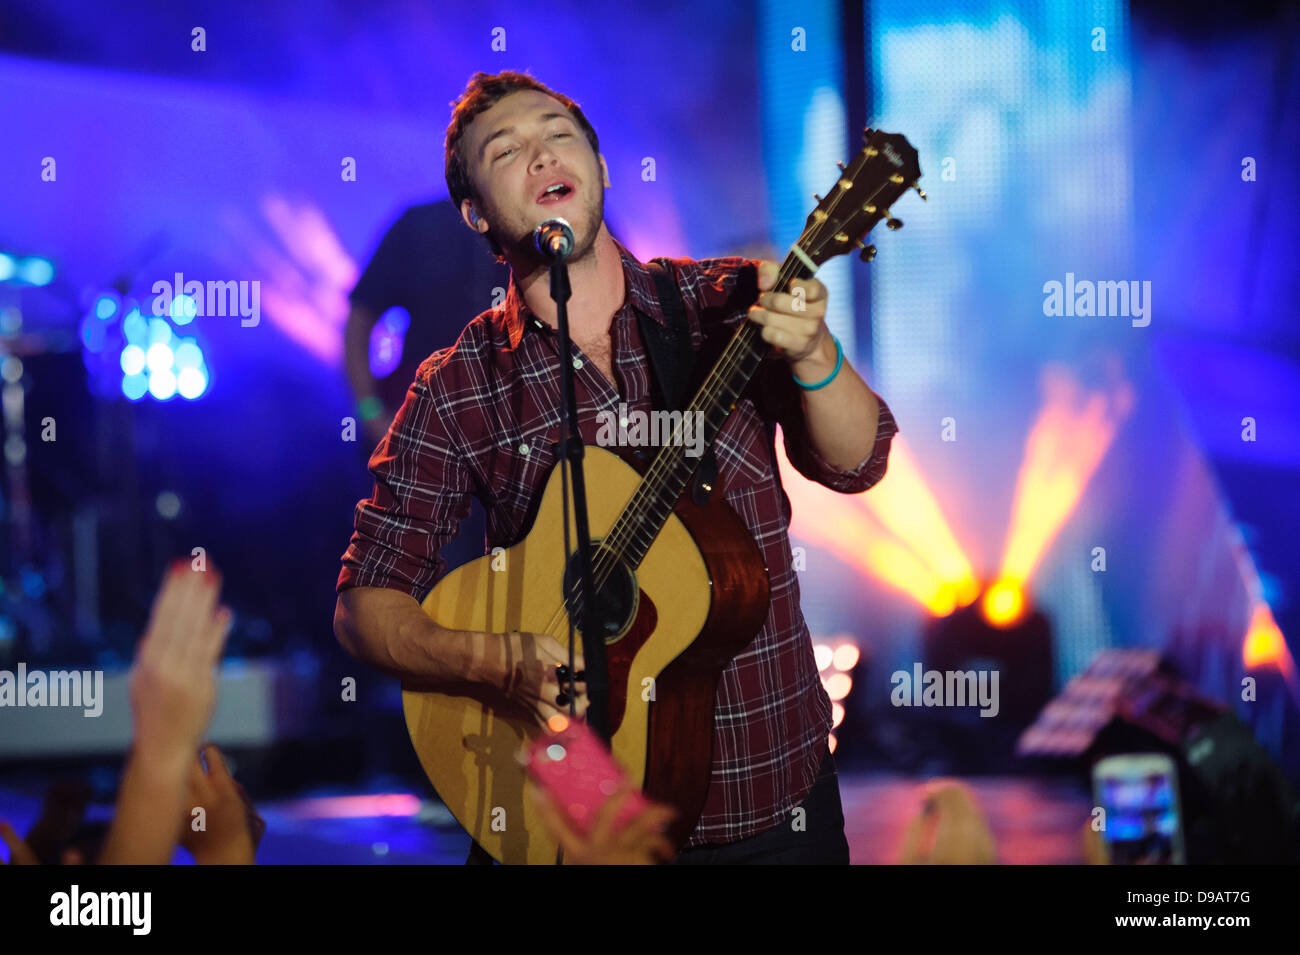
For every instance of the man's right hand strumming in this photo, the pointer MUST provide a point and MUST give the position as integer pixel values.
(529, 669)
(387, 629)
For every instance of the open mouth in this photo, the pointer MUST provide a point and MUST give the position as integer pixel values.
(554, 193)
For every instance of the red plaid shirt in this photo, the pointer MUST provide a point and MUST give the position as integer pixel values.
(481, 418)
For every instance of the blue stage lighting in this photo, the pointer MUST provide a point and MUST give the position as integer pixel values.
(93, 333)
(35, 271)
(192, 382)
(160, 333)
(135, 328)
(134, 386)
(106, 306)
(386, 340)
(162, 384)
(188, 354)
(184, 308)
(159, 357)
(7, 267)
(133, 360)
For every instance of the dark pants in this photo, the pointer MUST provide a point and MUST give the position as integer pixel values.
(818, 840)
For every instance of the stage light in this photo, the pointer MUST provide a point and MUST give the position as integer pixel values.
(1264, 643)
(135, 328)
(838, 686)
(897, 533)
(191, 382)
(845, 658)
(134, 386)
(162, 384)
(35, 271)
(837, 714)
(106, 306)
(830, 743)
(160, 333)
(7, 267)
(823, 655)
(184, 308)
(1004, 604)
(386, 340)
(1072, 433)
(94, 333)
(11, 368)
(133, 360)
(168, 505)
(159, 358)
(188, 354)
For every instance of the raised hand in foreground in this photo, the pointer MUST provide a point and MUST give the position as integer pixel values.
(173, 692)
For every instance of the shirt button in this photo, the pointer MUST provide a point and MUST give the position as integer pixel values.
(577, 363)
(524, 449)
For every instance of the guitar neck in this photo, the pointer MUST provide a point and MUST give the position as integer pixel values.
(672, 468)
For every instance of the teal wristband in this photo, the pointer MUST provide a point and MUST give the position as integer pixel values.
(839, 360)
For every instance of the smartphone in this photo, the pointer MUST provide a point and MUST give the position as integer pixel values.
(1143, 822)
(579, 773)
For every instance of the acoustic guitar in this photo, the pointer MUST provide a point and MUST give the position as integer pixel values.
(685, 584)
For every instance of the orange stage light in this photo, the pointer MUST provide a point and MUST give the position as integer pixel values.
(1264, 643)
(1004, 603)
(1071, 435)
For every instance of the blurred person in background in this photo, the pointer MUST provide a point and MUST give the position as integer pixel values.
(950, 829)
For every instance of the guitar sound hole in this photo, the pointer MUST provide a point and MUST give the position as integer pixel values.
(616, 601)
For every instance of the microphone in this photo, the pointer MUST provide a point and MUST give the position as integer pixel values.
(554, 239)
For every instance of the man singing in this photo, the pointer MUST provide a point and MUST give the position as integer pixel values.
(481, 418)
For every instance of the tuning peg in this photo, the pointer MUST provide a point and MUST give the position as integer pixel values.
(840, 164)
(894, 224)
(817, 197)
(919, 191)
(868, 251)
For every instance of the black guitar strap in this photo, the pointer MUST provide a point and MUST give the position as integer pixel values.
(672, 362)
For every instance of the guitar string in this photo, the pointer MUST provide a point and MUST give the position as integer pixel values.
(658, 470)
(725, 368)
(612, 551)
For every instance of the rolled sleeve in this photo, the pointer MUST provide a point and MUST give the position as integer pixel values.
(808, 462)
(422, 493)
(779, 399)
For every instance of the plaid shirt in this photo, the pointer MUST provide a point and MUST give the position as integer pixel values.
(481, 418)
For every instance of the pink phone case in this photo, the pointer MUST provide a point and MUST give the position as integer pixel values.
(579, 774)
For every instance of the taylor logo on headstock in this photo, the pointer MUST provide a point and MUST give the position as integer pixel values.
(862, 197)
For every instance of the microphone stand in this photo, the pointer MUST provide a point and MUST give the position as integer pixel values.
(571, 453)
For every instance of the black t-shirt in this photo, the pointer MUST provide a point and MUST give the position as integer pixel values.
(441, 273)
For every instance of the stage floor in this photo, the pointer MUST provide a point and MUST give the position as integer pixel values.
(1034, 822)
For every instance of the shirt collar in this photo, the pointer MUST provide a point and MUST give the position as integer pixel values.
(641, 295)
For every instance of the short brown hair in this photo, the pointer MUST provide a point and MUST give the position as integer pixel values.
(484, 91)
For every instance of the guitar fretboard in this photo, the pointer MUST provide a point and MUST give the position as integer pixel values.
(672, 468)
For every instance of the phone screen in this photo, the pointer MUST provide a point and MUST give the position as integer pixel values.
(1142, 825)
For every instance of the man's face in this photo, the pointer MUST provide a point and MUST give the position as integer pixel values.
(516, 150)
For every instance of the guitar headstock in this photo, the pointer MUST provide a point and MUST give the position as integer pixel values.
(862, 196)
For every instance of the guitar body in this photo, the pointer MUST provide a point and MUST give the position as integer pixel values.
(701, 596)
